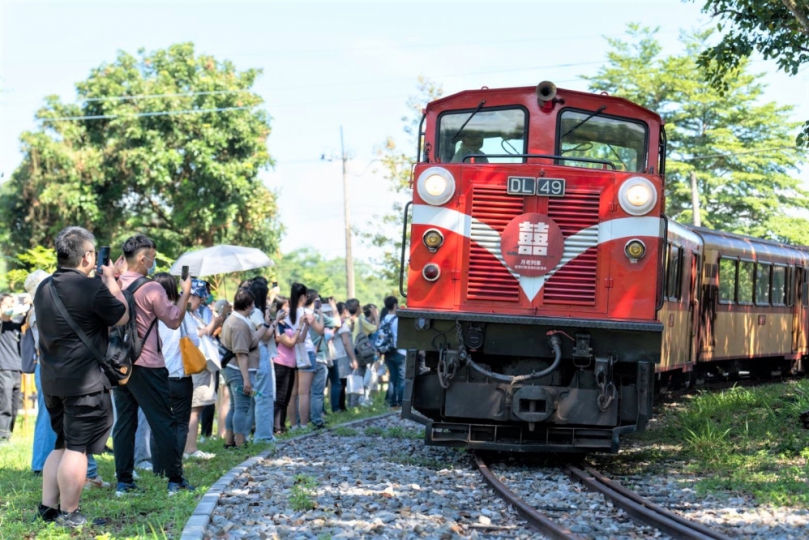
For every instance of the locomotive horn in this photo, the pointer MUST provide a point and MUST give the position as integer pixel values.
(546, 91)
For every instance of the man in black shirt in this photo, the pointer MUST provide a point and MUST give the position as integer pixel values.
(10, 367)
(77, 393)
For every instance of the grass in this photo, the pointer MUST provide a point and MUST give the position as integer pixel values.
(300, 497)
(746, 440)
(151, 515)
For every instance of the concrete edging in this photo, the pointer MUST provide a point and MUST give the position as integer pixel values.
(195, 526)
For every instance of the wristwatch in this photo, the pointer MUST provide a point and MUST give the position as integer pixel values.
(267, 325)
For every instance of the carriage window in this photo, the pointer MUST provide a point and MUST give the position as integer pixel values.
(763, 284)
(674, 277)
(494, 132)
(745, 289)
(779, 286)
(621, 141)
(727, 280)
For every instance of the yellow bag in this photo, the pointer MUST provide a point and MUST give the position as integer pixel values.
(193, 360)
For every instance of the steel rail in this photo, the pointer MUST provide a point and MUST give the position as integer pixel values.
(541, 523)
(642, 509)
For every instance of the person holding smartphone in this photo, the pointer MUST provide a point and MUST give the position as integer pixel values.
(240, 336)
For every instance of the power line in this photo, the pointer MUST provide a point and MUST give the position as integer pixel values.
(759, 151)
(140, 115)
(152, 96)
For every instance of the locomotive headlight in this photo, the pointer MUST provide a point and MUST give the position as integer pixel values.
(635, 250)
(436, 186)
(637, 196)
(433, 239)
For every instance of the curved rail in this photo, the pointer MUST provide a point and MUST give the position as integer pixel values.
(541, 523)
(642, 509)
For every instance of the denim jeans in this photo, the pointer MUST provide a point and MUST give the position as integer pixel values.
(317, 393)
(396, 367)
(239, 419)
(143, 436)
(265, 402)
(45, 437)
(337, 394)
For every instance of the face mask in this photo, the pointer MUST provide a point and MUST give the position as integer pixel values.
(8, 312)
(151, 270)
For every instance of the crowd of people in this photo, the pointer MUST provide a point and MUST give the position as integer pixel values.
(272, 363)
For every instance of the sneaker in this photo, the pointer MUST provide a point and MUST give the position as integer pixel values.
(296, 427)
(320, 426)
(202, 440)
(96, 482)
(135, 475)
(144, 466)
(123, 489)
(175, 487)
(199, 454)
(46, 513)
(76, 519)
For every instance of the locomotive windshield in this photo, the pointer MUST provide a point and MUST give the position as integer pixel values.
(500, 131)
(584, 134)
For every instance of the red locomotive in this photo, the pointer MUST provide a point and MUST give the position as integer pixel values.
(547, 290)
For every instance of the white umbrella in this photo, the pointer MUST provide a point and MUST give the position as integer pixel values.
(220, 260)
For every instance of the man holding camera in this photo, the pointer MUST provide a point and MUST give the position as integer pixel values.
(148, 387)
(76, 390)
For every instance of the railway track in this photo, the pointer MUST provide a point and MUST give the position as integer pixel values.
(639, 509)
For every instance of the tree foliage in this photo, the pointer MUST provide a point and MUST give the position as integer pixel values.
(777, 29)
(116, 163)
(397, 161)
(328, 276)
(741, 149)
(38, 258)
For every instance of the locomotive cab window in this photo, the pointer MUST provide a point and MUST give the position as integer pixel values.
(779, 286)
(763, 284)
(744, 293)
(583, 134)
(498, 132)
(727, 281)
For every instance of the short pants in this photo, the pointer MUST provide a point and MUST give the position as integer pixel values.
(81, 423)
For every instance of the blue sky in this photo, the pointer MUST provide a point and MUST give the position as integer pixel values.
(328, 64)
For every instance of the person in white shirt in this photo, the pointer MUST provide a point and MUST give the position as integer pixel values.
(181, 386)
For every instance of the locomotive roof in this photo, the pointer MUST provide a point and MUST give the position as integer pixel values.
(521, 91)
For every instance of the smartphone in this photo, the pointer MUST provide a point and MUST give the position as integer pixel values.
(184, 275)
(274, 284)
(103, 259)
(318, 304)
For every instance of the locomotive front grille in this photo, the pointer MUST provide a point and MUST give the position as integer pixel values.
(577, 213)
(488, 279)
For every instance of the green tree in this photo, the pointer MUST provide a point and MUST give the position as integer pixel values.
(397, 161)
(740, 149)
(777, 29)
(38, 258)
(328, 276)
(168, 143)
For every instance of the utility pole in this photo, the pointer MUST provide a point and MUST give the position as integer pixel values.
(349, 256)
(694, 200)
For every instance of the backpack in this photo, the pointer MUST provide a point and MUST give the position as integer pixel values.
(363, 350)
(384, 337)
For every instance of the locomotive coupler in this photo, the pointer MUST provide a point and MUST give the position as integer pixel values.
(606, 386)
(582, 352)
